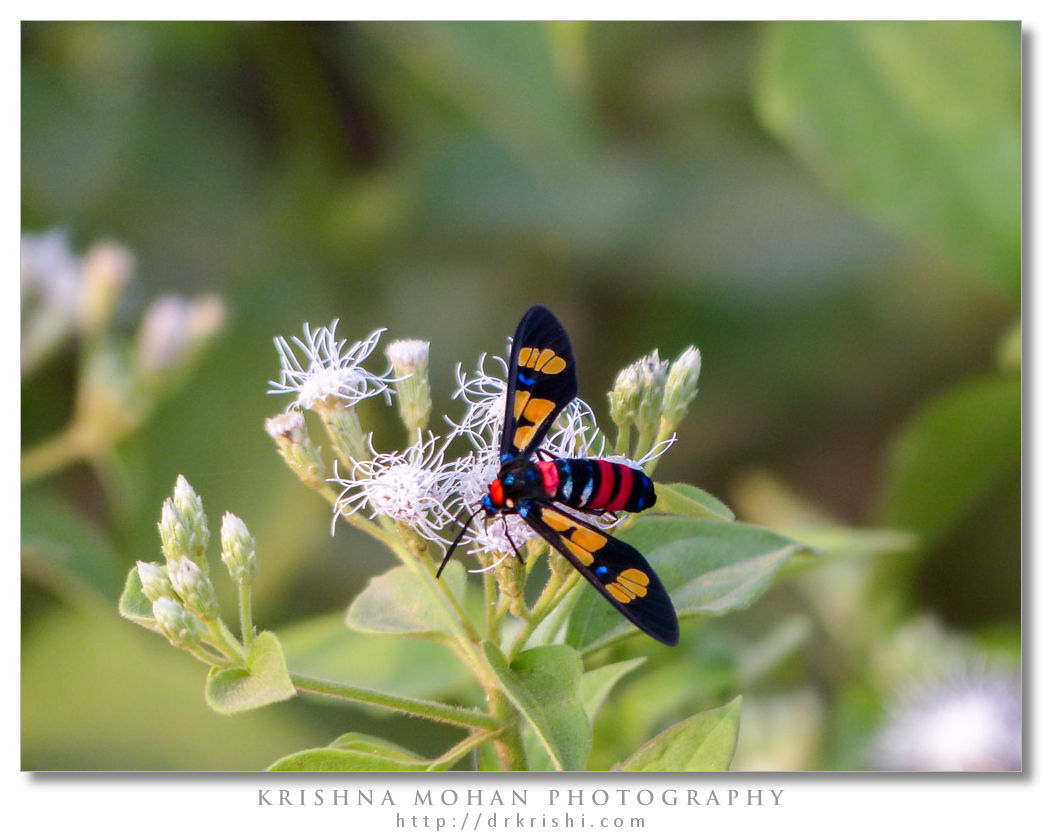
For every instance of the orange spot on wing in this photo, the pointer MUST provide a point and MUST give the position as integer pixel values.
(538, 409)
(584, 557)
(619, 593)
(554, 365)
(520, 400)
(588, 539)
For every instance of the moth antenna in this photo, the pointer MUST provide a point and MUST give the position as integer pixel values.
(455, 543)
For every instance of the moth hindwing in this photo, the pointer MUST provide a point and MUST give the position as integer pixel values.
(617, 570)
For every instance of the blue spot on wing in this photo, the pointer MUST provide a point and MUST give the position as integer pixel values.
(525, 381)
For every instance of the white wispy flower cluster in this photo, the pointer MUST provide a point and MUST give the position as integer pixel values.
(327, 372)
(412, 486)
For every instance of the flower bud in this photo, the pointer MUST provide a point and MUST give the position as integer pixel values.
(181, 627)
(409, 361)
(624, 396)
(238, 549)
(107, 268)
(652, 372)
(186, 519)
(289, 430)
(173, 329)
(155, 582)
(194, 587)
(681, 386)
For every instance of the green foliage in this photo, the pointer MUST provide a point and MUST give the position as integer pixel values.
(895, 117)
(543, 683)
(395, 602)
(708, 567)
(703, 742)
(681, 498)
(951, 455)
(263, 680)
(352, 752)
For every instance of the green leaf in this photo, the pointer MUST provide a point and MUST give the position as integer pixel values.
(264, 681)
(397, 602)
(595, 685)
(954, 452)
(681, 498)
(339, 759)
(134, 604)
(355, 741)
(708, 568)
(703, 742)
(323, 647)
(353, 752)
(918, 123)
(543, 684)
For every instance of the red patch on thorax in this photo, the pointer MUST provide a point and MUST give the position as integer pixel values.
(550, 477)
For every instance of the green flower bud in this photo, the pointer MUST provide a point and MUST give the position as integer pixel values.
(652, 371)
(304, 459)
(195, 532)
(624, 396)
(409, 361)
(194, 587)
(155, 582)
(238, 550)
(681, 386)
(181, 627)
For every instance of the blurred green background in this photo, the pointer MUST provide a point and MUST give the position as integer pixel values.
(830, 212)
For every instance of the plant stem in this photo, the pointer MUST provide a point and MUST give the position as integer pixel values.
(223, 639)
(509, 746)
(491, 618)
(415, 707)
(540, 610)
(563, 606)
(449, 758)
(622, 442)
(48, 456)
(246, 614)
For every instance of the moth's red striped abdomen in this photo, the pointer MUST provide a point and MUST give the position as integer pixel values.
(599, 485)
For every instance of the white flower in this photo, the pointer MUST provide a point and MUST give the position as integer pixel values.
(52, 285)
(328, 373)
(410, 486)
(969, 722)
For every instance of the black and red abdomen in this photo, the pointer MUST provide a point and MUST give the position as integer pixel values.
(597, 485)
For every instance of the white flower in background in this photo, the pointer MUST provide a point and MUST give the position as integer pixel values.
(411, 486)
(173, 328)
(52, 285)
(327, 373)
(968, 722)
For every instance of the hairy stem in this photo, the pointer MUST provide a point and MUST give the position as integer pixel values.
(437, 711)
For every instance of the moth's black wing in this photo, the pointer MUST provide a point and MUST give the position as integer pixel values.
(541, 383)
(618, 571)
